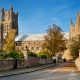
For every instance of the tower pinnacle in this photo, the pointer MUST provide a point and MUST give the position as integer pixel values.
(11, 8)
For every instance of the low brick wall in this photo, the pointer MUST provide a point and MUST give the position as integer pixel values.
(31, 61)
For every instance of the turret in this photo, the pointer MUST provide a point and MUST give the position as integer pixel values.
(2, 14)
(71, 23)
(78, 18)
(17, 16)
(11, 8)
(11, 11)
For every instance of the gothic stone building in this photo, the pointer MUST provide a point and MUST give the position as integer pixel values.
(8, 21)
(75, 28)
(73, 35)
(34, 42)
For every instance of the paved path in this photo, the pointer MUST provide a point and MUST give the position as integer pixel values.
(65, 71)
(25, 70)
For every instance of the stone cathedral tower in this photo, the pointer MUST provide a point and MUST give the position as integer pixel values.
(75, 28)
(8, 20)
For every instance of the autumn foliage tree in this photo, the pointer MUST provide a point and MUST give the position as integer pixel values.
(9, 43)
(54, 40)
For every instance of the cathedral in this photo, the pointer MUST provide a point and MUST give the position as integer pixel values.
(34, 42)
(75, 28)
(8, 21)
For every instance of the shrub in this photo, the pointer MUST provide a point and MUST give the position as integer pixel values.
(21, 54)
(42, 55)
(32, 54)
(15, 55)
(1, 56)
(4, 55)
(44, 52)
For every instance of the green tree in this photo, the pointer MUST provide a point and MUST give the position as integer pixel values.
(54, 40)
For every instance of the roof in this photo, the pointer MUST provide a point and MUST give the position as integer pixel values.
(66, 35)
(31, 37)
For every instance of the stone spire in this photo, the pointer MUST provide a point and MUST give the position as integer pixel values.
(2, 14)
(11, 11)
(11, 8)
(71, 23)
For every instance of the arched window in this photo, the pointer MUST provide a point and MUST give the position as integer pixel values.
(37, 48)
(23, 48)
(32, 48)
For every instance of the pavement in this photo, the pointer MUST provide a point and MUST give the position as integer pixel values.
(25, 70)
(63, 71)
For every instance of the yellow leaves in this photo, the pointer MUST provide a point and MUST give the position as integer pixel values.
(9, 44)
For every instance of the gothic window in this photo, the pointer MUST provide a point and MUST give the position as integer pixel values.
(16, 44)
(32, 48)
(7, 27)
(28, 44)
(17, 48)
(37, 48)
(6, 17)
(42, 48)
(23, 48)
(5, 34)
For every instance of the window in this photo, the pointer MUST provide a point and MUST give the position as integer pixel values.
(18, 44)
(17, 48)
(23, 48)
(32, 48)
(37, 48)
(42, 48)
(7, 27)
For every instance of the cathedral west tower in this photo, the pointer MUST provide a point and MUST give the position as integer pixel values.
(8, 21)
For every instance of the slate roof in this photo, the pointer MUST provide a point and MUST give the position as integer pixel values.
(35, 37)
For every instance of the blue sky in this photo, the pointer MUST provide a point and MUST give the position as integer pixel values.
(36, 15)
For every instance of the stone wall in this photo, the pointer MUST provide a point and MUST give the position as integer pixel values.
(6, 64)
(31, 61)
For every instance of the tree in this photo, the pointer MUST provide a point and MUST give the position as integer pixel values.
(9, 44)
(54, 40)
